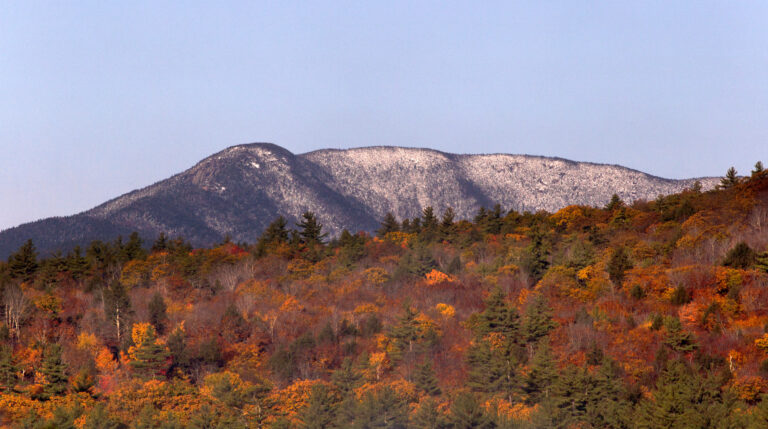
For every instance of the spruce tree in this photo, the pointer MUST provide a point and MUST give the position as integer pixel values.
(731, 178)
(310, 231)
(538, 322)
(8, 369)
(157, 313)
(536, 257)
(426, 380)
(149, 357)
(389, 224)
(117, 308)
(347, 377)
(542, 374)
(615, 203)
(427, 416)
(54, 372)
(758, 168)
(23, 263)
(274, 235)
(320, 411)
(466, 413)
(380, 409)
(740, 256)
(447, 227)
(618, 264)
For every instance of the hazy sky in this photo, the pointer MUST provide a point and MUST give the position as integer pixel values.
(99, 98)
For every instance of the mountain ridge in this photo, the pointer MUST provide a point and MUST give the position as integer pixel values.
(239, 190)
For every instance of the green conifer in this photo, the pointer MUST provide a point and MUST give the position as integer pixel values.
(54, 372)
(426, 380)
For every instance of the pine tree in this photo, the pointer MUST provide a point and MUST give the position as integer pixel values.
(758, 168)
(99, 418)
(447, 227)
(160, 244)
(53, 370)
(8, 369)
(740, 256)
(430, 225)
(536, 257)
(23, 264)
(380, 409)
(677, 338)
(117, 308)
(426, 380)
(615, 203)
(310, 230)
(274, 235)
(406, 334)
(466, 413)
(389, 224)
(496, 352)
(618, 264)
(157, 313)
(427, 416)
(731, 178)
(234, 327)
(538, 322)
(320, 411)
(761, 261)
(541, 375)
(347, 377)
(148, 357)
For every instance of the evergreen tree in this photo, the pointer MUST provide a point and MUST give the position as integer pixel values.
(117, 308)
(380, 409)
(347, 377)
(677, 338)
(761, 261)
(541, 375)
(683, 399)
(157, 313)
(389, 224)
(234, 327)
(320, 411)
(731, 178)
(758, 168)
(426, 380)
(160, 244)
(310, 230)
(447, 227)
(53, 370)
(149, 357)
(8, 369)
(427, 416)
(466, 413)
(618, 264)
(177, 349)
(430, 225)
(99, 418)
(23, 263)
(740, 256)
(536, 257)
(132, 249)
(496, 352)
(274, 235)
(615, 203)
(538, 321)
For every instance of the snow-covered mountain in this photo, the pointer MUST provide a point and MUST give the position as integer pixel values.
(239, 190)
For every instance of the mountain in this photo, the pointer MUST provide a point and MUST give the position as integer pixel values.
(239, 190)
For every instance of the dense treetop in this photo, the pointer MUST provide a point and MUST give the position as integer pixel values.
(650, 314)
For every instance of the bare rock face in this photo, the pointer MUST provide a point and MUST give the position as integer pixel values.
(240, 190)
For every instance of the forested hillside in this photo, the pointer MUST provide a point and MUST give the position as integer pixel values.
(644, 315)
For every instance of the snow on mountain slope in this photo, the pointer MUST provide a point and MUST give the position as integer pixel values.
(239, 190)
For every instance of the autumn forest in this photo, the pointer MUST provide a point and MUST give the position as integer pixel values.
(650, 314)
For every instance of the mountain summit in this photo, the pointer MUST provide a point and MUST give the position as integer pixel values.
(239, 190)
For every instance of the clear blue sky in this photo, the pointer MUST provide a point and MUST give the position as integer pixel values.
(99, 98)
